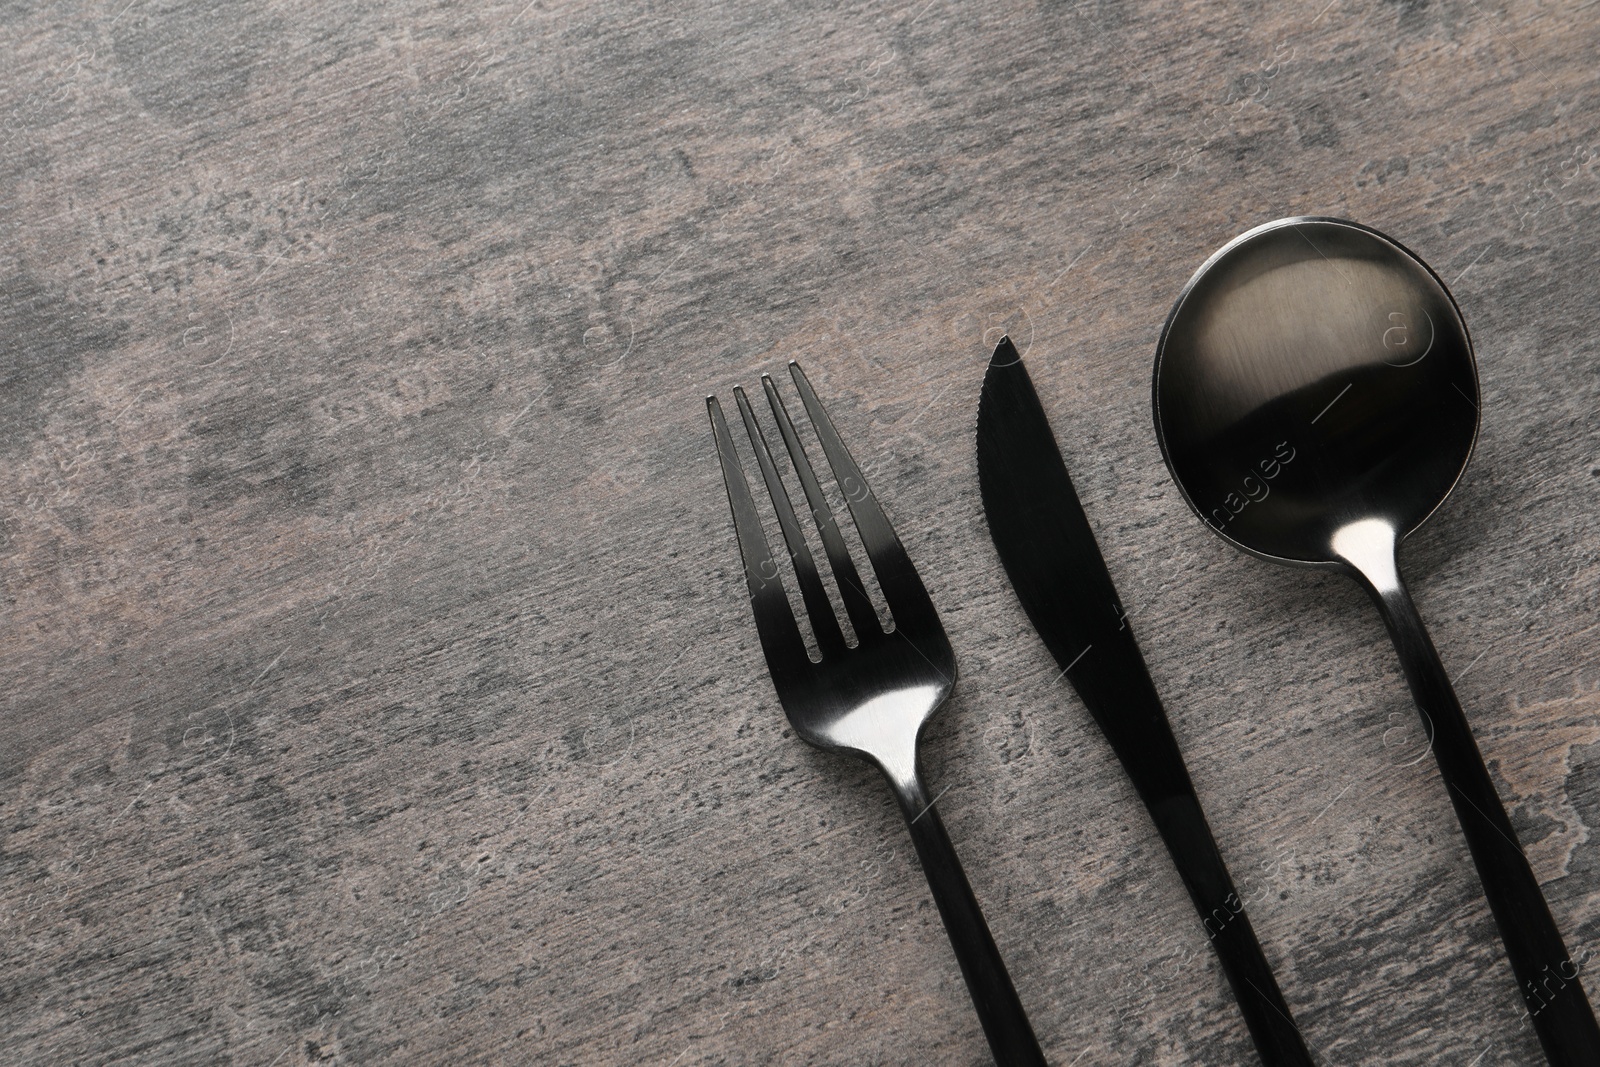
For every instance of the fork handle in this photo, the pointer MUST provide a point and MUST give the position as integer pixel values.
(1005, 1024)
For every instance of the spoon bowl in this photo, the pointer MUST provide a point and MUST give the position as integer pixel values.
(1312, 372)
(1316, 400)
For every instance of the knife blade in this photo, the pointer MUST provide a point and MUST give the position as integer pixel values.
(1050, 554)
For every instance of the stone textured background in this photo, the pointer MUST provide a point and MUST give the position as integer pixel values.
(378, 682)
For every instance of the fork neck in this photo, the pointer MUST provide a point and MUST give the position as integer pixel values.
(895, 756)
(885, 731)
(909, 790)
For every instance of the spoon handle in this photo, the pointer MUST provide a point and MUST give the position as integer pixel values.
(1546, 972)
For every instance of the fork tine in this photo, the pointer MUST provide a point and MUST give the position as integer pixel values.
(830, 639)
(775, 623)
(903, 591)
(863, 616)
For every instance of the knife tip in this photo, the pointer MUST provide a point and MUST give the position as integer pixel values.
(1005, 353)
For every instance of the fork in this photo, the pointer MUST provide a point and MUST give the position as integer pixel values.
(871, 699)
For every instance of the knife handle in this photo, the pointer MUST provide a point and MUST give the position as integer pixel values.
(1005, 1023)
(1116, 686)
(1182, 825)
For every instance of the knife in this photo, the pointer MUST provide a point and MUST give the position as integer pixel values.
(1050, 555)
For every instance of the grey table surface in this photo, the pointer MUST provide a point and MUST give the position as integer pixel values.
(378, 683)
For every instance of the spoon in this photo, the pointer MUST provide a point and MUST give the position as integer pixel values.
(1316, 400)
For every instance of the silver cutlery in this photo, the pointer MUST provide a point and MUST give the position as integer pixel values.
(872, 698)
(1316, 399)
